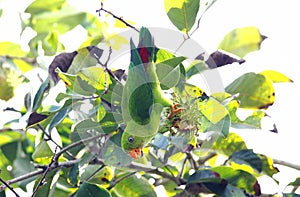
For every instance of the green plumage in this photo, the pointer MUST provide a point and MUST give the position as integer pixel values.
(142, 99)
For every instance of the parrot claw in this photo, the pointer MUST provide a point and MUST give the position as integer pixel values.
(174, 111)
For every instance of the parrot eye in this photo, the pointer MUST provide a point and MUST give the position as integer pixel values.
(130, 139)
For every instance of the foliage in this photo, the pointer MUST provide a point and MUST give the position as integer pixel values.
(71, 147)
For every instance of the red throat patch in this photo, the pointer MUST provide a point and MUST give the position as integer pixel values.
(144, 54)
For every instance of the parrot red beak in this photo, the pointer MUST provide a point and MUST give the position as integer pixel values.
(136, 153)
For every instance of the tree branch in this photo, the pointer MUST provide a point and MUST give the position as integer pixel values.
(25, 59)
(21, 178)
(66, 164)
(284, 163)
(54, 162)
(10, 129)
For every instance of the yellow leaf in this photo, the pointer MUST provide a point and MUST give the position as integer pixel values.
(275, 76)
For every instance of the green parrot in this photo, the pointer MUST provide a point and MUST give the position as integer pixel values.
(143, 99)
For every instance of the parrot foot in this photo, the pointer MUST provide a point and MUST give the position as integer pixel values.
(174, 111)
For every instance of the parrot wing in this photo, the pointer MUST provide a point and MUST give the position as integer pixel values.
(137, 96)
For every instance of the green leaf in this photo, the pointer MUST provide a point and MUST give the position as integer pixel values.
(247, 157)
(21, 166)
(61, 96)
(51, 44)
(42, 153)
(213, 110)
(92, 41)
(39, 6)
(168, 72)
(202, 176)
(59, 20)
(108, 123)
(85, 129)
(182, 13)
(268, 167)
(239, 178)
(2, 193)
(290, 195)
(163, 55)
(134, 187)
(10, 150)
(7, 137)
(9, 81)
(76, 84)
(232, 143)
(73, 177)
(22, 65)
(95, 77)
(83, 59)
(47, 186)
(112, 154)
(296, 182)
(255, 91)
(275, 76)
(11, 49)
(195, 67)
(252, 121)
(242, 41)
(231, 191)
(97, 174)
(38, 98)
(92, 190)
(60, 114)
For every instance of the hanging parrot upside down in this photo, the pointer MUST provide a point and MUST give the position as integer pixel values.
(143, 99)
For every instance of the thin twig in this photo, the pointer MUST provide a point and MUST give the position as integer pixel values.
(183, 166)
(197, 27)
(93, 174)
(192, 161)
(48, 169)
(121, 179)
(151, 169)
(50, 138)
(116, 17)
(200, 18)
(9, 187)
(203, 159)
(11, 109)
(79, 143)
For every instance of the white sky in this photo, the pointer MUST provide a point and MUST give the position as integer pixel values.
(278, 20)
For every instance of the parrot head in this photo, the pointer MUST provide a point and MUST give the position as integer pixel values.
(133, 144)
